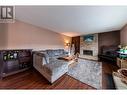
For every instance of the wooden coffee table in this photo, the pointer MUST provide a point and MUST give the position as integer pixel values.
(69, 59)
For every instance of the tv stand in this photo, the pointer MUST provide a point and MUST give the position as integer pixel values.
(14, 61)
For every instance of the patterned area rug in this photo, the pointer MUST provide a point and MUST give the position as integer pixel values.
(88, 72)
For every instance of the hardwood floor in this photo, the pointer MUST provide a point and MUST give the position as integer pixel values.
(107, 69)
(31, 79)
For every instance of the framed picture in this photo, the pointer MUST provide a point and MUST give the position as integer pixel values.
(88, 38)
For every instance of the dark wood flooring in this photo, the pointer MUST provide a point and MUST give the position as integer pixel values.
(31, 79)
(107, 69)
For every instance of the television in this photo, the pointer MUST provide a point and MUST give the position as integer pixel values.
(88, 38)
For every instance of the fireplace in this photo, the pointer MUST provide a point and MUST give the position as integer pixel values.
(88, 52)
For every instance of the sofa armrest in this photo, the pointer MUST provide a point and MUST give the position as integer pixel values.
(39, 58)
(37, 61)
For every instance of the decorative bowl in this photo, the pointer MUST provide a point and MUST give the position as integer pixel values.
(123, 72)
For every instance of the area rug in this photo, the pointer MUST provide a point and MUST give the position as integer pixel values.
(88, 72)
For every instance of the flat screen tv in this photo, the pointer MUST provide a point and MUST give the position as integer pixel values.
(88, 38)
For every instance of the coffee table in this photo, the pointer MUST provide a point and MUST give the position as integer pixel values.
(69, 59)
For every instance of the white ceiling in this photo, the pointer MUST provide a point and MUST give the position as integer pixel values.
(74, 20)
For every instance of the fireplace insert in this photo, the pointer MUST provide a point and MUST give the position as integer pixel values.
(88, 52)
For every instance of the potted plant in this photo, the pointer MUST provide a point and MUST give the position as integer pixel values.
(125, 49)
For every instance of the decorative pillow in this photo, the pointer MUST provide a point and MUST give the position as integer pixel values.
(53, 53)
(50, 53)
(56, 52)
(61, 51)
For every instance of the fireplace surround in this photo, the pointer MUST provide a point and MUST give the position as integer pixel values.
(89, 50)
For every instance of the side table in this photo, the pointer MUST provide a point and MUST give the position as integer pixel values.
(122, 63)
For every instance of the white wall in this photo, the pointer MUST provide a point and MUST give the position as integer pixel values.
(123, 35)
(74, 20)
(26, 36)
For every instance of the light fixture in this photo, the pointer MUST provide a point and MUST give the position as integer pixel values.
(67, 44)
(68, 47)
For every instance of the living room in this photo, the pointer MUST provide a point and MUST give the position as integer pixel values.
(56, 47)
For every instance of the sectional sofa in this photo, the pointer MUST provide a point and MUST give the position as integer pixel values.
(48, 64)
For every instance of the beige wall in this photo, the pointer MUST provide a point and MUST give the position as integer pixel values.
(22, 35)
(123, 35)
(3, 36)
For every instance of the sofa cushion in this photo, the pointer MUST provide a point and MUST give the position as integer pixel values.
(49, 52)
(56, 52)
(61, 51)
(55, 66)
(53, 53)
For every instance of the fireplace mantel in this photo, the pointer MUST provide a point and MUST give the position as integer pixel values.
(88, 57)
